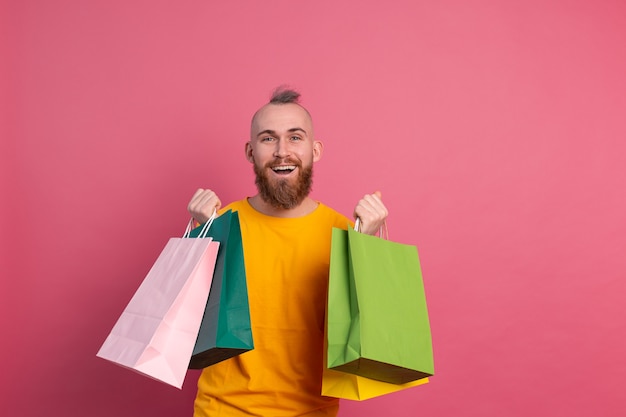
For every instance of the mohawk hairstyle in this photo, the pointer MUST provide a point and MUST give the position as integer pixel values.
(284, 95)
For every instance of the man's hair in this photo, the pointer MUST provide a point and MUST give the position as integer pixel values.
(284, 95)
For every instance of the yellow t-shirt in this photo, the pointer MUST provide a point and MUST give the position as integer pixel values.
(287, 261)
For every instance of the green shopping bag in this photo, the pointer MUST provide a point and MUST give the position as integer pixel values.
(225, 330)
(378, 323)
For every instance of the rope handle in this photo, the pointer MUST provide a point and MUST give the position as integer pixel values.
(383, 232)
(205, 228)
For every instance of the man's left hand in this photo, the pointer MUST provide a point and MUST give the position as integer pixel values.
(372, 213)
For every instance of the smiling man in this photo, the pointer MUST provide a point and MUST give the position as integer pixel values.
(282, 149)
(286, 239)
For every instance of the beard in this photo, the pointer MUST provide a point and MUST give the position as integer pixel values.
(284, 193)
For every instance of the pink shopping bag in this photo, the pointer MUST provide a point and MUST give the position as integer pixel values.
(157, 331)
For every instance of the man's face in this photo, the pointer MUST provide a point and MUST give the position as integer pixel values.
(283, 150)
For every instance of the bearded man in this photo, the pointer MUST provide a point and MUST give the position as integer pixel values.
(286, 239)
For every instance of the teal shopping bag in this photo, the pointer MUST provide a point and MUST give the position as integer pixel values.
(225, 330)
(378, 325)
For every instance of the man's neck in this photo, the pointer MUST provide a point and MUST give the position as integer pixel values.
(308, 205)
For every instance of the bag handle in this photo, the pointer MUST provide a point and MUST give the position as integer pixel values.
(205, 228)
(383, 232)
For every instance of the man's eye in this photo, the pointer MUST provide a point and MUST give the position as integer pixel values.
(296, 138)
(267, 139)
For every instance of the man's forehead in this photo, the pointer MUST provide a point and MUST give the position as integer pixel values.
(281, 116)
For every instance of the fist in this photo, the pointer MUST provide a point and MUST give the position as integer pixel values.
(372, 213)
(203, 204)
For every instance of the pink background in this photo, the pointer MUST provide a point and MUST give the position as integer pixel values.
(496, 131)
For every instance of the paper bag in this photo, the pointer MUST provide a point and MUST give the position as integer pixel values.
(226, 330)
(378, 324)
(156, 333)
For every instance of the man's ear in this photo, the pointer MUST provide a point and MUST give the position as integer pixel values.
(248, 150)
(318, 150)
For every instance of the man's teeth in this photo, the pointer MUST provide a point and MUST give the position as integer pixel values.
(284, 168)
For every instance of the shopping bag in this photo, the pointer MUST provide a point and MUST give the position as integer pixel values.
(353, 387)
(378, 324)
(226, 330)
(156, 333)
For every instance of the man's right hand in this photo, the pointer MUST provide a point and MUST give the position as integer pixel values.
(203, 204)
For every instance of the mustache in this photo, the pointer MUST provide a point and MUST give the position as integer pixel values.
(283, 161)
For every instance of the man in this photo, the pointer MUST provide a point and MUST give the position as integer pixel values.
(286, 239)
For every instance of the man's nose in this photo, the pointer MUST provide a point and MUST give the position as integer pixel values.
(282, 149)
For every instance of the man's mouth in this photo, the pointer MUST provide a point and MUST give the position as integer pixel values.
(284, 169)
